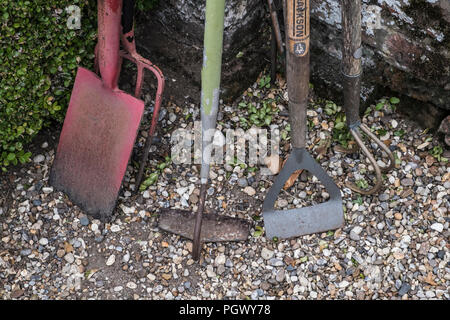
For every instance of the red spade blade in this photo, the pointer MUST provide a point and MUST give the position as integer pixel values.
(95, 145)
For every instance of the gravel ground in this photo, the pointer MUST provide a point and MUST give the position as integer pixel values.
(394, 244)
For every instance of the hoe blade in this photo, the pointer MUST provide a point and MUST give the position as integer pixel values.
(297, 222)
(95, 144)
(215, 228)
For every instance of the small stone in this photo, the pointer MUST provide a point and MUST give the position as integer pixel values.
(25, 252)
(398, 216)
(220, 259)
(47, 190)
(118, 289)
(250, 191)
(115, 228)
(69, 257)
(404, 289)
(282, 203)
(60, 253)
(43, 241)
(439, 227)
(383, 197)
(242, 182)
(407, 182)
(280, 276)
(354, 233)
(210, 271)
(111, 260)
(131, 285)
(266, 254)
(84, 221)
(39, 158)
(399, 255)
(166, 276)
(17, 293)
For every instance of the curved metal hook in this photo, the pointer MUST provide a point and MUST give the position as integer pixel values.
(375, 139)
(384, 147)
(143, 64)
(372, 160)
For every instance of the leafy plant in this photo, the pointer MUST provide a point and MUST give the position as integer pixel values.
(436, 152)
(153, 177)
(258, 231)
(264, 82)
(258, 115)
(39, 56)
(331, 108)
(341, 133)
(389, 103)
(362, 183)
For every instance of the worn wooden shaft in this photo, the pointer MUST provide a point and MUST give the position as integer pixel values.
(297, 67)
(351, 58)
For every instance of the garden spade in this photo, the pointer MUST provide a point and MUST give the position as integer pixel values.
(101, 125)
(324, 216)
(216, 228)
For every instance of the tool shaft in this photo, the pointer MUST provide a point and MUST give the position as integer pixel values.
(351, 58)
(109, 26)
(297, 67)
(211, 72)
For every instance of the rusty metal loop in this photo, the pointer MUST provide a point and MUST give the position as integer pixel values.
(384, 147)
(372, 160)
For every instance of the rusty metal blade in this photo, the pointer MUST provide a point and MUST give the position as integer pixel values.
(216, 228)
(95, 144)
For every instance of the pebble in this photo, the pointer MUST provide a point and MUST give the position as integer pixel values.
(282, 203)
(354, 233)
(220, 259)
(407, 182)
(111, 260)
(280, 276)
(404, 289)
(115, 228)
(84, 221)
(69, 257)
(383, 197)
(47, 190)
(439, 227)
(39, 158)
(43, 241)
(266, 253)
(250, 191)
(25, 252)
(131, 285)
(242, 182)
(210, 271)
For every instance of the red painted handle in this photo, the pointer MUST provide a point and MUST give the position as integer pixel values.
(109, 30)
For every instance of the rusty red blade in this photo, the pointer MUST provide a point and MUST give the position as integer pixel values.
(95, 145)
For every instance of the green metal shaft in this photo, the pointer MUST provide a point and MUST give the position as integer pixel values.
(211, 72)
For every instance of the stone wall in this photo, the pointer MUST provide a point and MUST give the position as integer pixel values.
(406, 46)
